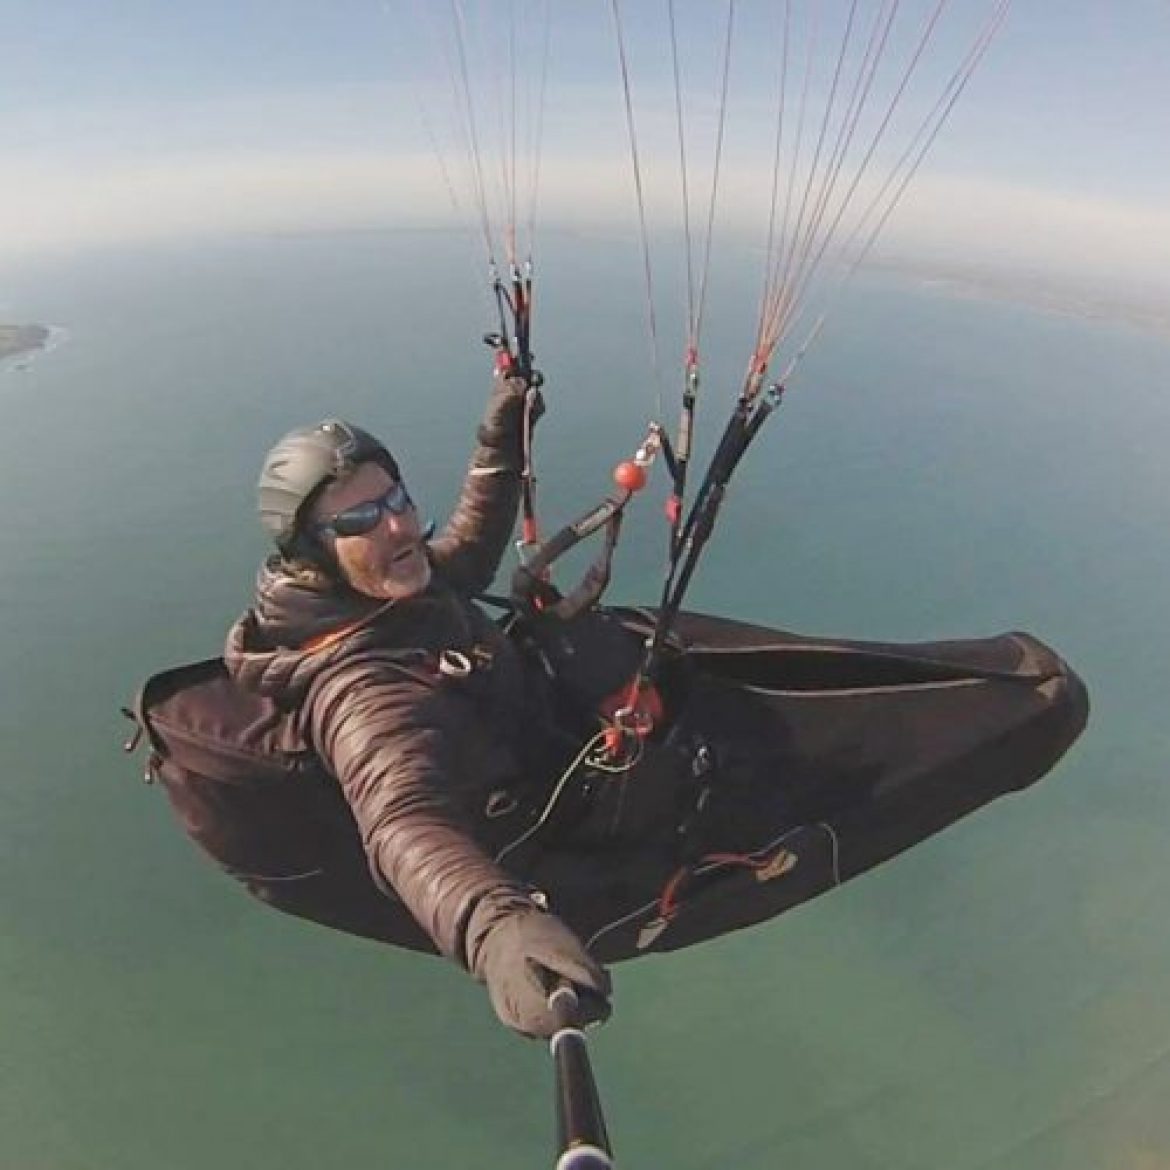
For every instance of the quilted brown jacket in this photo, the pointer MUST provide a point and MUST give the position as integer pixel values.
(417, 753)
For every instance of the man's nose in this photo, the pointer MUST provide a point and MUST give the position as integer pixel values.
(399, 523)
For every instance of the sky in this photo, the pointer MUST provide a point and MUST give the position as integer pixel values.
(128, 121)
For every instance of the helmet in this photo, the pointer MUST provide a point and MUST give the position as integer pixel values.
(302, 463)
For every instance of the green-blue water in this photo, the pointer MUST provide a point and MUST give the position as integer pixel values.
(996, 999)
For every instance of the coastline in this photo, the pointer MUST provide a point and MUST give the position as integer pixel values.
(1149, 314)
(22, 339)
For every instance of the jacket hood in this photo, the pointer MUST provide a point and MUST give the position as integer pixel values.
(279, 645)
(267, 647)
(295, 608)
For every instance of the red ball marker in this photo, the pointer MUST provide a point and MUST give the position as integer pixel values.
(629, 476)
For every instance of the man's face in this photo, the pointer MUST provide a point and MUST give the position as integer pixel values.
(388, 561)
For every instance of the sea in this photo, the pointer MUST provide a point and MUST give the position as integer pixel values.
(943, 465)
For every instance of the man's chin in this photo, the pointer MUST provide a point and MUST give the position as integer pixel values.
(400, 587)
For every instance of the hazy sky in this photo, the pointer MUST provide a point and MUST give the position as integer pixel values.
(129, 120)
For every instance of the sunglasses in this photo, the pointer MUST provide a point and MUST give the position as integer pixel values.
(364, 517)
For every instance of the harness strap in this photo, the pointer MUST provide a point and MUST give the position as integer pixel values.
(531, 588)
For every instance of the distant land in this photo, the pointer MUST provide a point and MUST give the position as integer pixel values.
(1141, 309)
(15, 339)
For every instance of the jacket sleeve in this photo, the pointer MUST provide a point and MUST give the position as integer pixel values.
(389, 745)
(469, 549)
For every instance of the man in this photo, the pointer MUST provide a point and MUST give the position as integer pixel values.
(410, 695)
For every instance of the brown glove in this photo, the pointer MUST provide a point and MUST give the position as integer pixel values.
(524, 956)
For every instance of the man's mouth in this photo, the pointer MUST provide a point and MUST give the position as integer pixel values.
(404, 554)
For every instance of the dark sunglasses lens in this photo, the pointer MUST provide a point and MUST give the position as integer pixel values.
(397, 500)
(357, 520)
